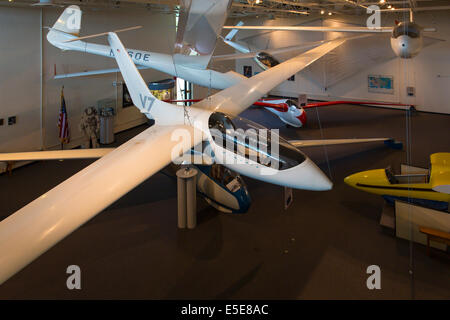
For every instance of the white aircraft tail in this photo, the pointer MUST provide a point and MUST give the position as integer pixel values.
(67, 27)
(138, 89)
(233, 32)
(239, 47)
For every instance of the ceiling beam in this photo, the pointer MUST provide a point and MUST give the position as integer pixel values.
(430, 8)
(267, 9)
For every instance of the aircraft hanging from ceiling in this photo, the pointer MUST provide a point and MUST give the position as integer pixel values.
(38, 226)
(286, 109)
(406, 37)
(191, 56)
(263, 59)
(291, 113)
(196, 40)
(65, 35)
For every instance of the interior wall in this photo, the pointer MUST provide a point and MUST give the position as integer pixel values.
(20, 86)
(429, 72)
(20, 81)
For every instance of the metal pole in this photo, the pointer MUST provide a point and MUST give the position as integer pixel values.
(191, 201)
(187, 197)
(41, 81)
(181, 189)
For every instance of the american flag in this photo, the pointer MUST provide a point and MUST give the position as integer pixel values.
(63, 124)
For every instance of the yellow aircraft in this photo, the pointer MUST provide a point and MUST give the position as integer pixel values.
(431, 189)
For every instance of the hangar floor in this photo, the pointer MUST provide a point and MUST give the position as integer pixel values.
(318, 249)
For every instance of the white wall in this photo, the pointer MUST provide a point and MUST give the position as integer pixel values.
(20, 79)
(429, 72)
(20, 87)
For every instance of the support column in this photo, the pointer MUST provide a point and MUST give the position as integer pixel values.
(191, 201)
(187, 197)
(181, 196)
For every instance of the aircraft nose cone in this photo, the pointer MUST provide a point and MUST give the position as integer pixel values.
(318, 181)
(350, 180)
(302, 117)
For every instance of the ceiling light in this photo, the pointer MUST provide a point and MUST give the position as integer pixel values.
(389, 6)
(322, 11)
(258, 1)
(392, 8)
(330, 13)
(382, 1)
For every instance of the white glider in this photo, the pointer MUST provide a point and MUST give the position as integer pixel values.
(35, 228)
(38, 226)
(189, 61)
(406, 37)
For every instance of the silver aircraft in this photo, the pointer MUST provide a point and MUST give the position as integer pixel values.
(406, 37)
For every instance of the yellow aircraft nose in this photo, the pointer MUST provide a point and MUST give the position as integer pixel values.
(350, 180)
(370, 177)
(355, 178)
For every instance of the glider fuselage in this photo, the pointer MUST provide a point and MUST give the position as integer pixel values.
(158, 61)
(419, 188)
(247, 148)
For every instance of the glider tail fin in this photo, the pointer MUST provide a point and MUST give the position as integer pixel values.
(233, 32)
(138, 89)
(227, 39)
(66, 27)
(69, 21)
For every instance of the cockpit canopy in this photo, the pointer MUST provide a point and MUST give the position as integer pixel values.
(291, 103)
(221, 121)
(253, 141)
(266, 59)
(409, 29)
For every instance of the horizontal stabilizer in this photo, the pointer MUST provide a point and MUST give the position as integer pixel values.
(432, 39)
(233, 32)
(103, 34)
(330, 142)
(365, 103)
(56, 154)
(91, 73)
(269, 51)
(316, 29)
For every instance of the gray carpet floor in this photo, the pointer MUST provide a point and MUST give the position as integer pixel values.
(317, 249)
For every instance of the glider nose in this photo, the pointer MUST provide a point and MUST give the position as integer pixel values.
(316, 179)
(351, 180)
(302, 117)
